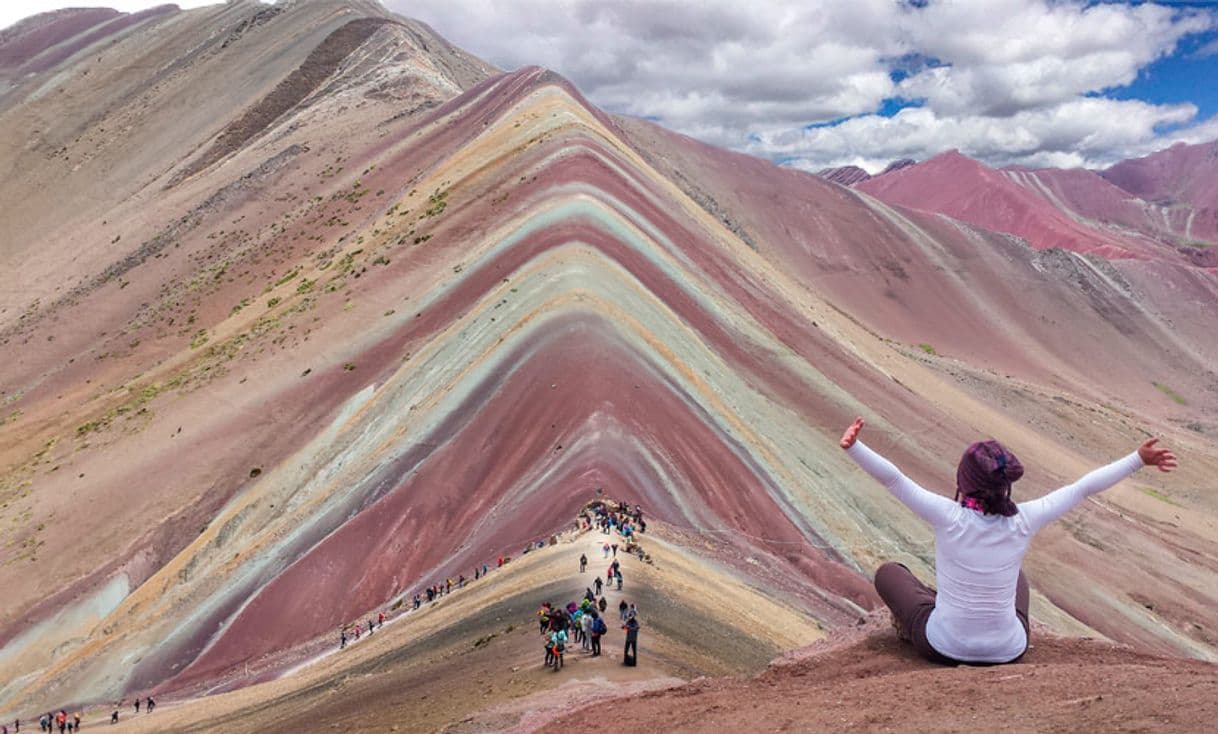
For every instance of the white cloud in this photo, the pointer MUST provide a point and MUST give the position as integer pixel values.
(1081, 132)
(1008, 81)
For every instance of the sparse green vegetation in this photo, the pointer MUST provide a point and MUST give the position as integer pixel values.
(1175, 396)
(199, 339)
(1159, 496)
(928, 349)
(436, 203)
(272, 303)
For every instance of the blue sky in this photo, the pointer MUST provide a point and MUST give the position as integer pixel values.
(1188, 75)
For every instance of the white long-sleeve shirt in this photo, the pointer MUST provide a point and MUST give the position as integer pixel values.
(978, 556)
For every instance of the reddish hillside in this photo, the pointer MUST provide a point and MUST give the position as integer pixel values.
(305, 310)
(1181, 175)
(844, 175)
(965, 189)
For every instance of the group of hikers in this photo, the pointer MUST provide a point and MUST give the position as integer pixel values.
(65, 722)
(584, 622)
(624, 519)
(353, 631)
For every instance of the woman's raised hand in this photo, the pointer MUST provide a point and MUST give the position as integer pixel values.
(1152, 456)
(852, 433)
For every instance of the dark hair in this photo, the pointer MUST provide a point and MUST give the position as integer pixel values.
(985, 475)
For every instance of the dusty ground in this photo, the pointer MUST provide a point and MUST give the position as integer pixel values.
(473, 659)
(471, 664)
(864, 680)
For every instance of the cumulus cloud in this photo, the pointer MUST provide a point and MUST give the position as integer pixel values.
(1007, 81)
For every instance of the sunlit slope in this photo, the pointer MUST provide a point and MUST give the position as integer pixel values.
(377, 344)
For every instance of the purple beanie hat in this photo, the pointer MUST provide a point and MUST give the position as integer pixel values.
(985, 474)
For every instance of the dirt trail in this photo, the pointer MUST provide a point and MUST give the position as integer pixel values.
(472, 660)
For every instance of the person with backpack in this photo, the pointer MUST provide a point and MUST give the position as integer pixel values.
(619, 579)
(583, 562)
(631, 652)
(980, 612)
(603, 604)
(622, 608)
(599, 628)
(558, 645)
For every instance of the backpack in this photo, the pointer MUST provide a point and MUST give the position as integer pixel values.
(598, 626)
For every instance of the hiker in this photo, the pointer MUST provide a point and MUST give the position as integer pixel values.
(76, 720)
(599, 628)
(583, 562)
(417, 601)
(614, 547)
(631, 652)
(980, 612)
(555, 644)
(151, 705)
(61, 718)
(598, 585)
(370, 626)
(342, 639)
(114, 717)
(585, 631)
(619, 579)
(602, 605)
(622, 609)
(137, 704)
(380, 619)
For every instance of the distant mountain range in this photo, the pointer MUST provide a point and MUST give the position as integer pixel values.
(1164, 205)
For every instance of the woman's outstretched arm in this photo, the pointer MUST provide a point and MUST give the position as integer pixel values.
(929, 506)
(1045, 510)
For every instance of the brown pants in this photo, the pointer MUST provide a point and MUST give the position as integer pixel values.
(912, 601)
